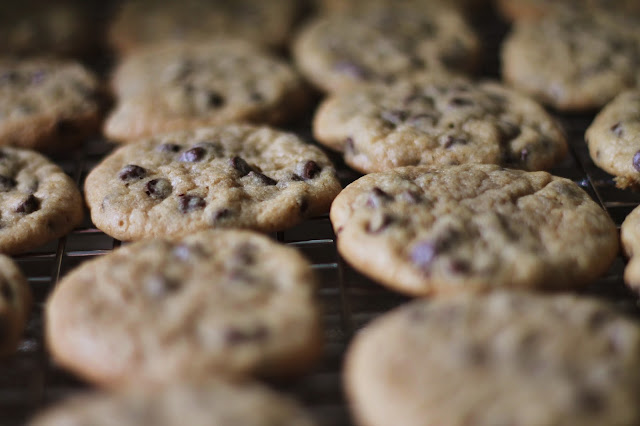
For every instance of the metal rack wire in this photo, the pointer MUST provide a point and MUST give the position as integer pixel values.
(29, 380)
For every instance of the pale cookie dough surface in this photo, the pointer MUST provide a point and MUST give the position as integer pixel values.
(472, 228)
(46, 104)
(573, 61)
(216, 403)
(143, 22)
(499, 359)
(438, 121)
(214, 303)
(382, 44)
(178, 86)
(227, 176)
(15, 305)
(38, 201)
(630, 238)
(614, 139)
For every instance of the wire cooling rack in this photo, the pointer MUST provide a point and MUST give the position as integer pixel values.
(29, 380)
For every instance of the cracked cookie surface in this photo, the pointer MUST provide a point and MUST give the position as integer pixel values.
(38, 201)
(180, 86)
(614, 139)
(438, 121)
(47, 104)
(217, 302)
(382, 44)
(498, 359)
(227, 176)
(472, 228)
(15, 305)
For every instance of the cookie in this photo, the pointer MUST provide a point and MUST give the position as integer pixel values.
(498, 359)
(472, 228)
(237, 176)
(383, 44)
(38, 201)
(215, 403)
(143, 22)
(613, 139)
(515, 10)
(15, 304)
(351, 6)
(217, 302)
(630, 238)
(182, 86)
(573, 61)
(35, 27)
(436, 121)
(47, 105)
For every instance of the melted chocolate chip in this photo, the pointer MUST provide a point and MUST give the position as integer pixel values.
(215, 100)
(509, 131)
(459, 266)
(378, 197)
(29, 205)
(158, 188)
(169, 147)
(221, 215)
(617, 129)
(240, 165)
(189, 203)
(193, 155)
(234, 336)
(264, 179)
(7, 183)
(132, 172)
(636, 161)
(353, 70)
(310, 170)
(460, 102)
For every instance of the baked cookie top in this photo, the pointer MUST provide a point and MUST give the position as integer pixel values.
(573, 61)
(438, 120)
(630, 238)
(383, 44)
(144, 22)
(472, 228)
(227, 176)
(47, 104)
(214, 303)
(184, 85)
(614, 139)
(15, 304)
(38, 201)
(498, 359)
(214, 403)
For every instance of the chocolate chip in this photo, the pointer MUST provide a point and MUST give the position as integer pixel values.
(240, 165)
(214, 100)
(508, 130)
(158, 286)
(169, 147)
(189, 203)
(379, 223)
(132, 172)
(221, 215)
(636, 161)
(7, 291)
(310, 169)
(7, 183)
(378, 197)
(617, 129)
(460, 102)
(395, 117)
(264, 179)
(234, 336)
(450, 141)
(352, 69)
(590, 400)
(459, 266)
(29, 205)
(158, 188)
(244, 255)
(194, 154)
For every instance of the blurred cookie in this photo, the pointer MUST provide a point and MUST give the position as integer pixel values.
(47, 105)
(38, 201)
(498, 359)
(437, 121)
(630, 238)
(15, 304)
(515, 10)
(215, 303)
(228, 176)
(181, 86)
(472, 228)
(382, 44)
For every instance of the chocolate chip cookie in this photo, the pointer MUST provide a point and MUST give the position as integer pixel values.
(38, 201)
(47, 105)
(15, 304)
(215, 403)
(573, 61)
(472, 228)
(613, 139)
(515, 10)
(217, 302)
(438, 120)
(143, 22)
(383, 44)
(227, 176)
(181, 86)
(497, 359)
(630, 238)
